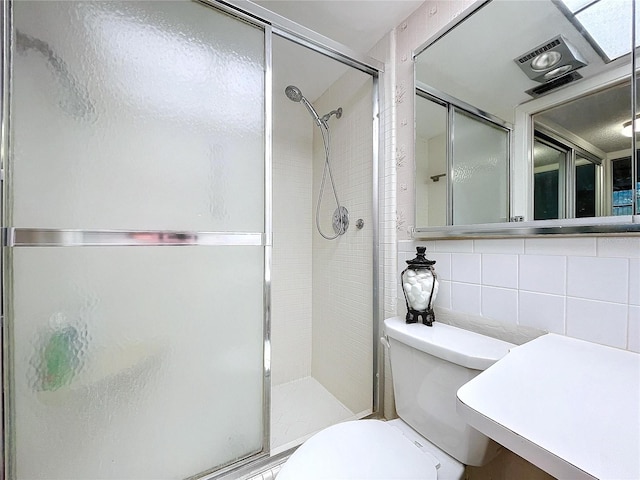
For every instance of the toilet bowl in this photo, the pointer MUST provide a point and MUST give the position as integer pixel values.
(429, 441)
(359, 449)
(375, 450)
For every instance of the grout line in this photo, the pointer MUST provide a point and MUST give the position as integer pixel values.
(628, 344)
(566, 319)
(566, 275)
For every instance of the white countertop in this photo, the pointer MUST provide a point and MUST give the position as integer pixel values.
(568, 406)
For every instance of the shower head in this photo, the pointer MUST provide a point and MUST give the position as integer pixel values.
(295, 95)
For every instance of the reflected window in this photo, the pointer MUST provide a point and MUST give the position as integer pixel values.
(566, 179)
(586, 192)
(549, 163)
(621, 188)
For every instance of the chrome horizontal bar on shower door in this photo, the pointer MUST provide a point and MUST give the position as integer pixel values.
(32, 237)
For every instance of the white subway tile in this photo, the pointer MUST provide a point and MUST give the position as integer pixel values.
(443, 299)
(402, 262)
(599, 322)
(561, 246)
(443, 264)
(542, 274)
(633, 342)
(401, 305)
(541, 310)
(499, 245)
(431, 247)
(500, 304)
(466, 267)
(594, 278)
(407, 246)
(465, 298)
(627, 247)
(500, 270)
(454, 246)
(634, 281)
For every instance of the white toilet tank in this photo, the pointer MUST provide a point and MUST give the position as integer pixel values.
(429, 365)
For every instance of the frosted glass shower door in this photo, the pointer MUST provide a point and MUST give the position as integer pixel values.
(480, 170)
(136, 252)
(136, 115)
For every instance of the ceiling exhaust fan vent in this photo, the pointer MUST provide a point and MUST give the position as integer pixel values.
(550, 60)
(553, 84)
(539, 50)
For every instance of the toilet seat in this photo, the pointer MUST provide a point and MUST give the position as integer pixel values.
(361, 449)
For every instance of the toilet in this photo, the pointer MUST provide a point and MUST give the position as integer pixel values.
(429, 440)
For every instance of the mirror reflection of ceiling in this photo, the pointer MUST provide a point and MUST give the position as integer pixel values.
(602, 129)
(484, 73)
(546, 157)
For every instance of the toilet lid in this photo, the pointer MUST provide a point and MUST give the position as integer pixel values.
(362, 449)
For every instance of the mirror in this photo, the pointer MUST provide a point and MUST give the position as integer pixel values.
(463, 173)
(557, 76)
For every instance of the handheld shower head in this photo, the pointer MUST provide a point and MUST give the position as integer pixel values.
(340, 216)
(295, 95)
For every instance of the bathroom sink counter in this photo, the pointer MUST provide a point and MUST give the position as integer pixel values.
(569, 406)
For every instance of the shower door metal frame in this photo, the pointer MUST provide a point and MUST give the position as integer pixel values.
(271, 24)
(5, 82)
(318, 43)
(33, 237)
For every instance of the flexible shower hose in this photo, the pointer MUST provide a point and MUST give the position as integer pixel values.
(326, 140)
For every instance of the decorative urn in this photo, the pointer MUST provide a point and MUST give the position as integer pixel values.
(420, 288)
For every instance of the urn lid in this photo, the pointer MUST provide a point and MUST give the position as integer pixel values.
(420, 260)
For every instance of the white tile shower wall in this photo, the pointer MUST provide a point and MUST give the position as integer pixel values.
(595, 297)
(342, 268)
(291, 279)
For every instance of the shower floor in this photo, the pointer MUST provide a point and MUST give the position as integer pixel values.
(301, 408)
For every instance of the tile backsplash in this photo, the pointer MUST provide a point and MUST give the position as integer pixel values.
(583, 287)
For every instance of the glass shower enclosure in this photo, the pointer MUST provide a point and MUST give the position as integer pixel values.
(136, 240)
(137, 211)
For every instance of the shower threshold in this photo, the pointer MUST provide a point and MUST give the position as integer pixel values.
(301, 408)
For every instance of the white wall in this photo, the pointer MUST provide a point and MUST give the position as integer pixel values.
(342, 268)
(422, 180)
(437, 191)
(291, 282)
(586, 287)
(431, 195)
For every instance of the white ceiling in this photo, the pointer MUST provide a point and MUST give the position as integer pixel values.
(310, 71)
(357, 24)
